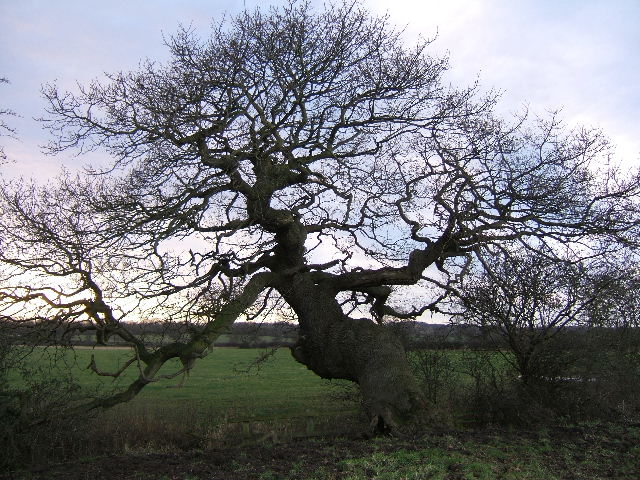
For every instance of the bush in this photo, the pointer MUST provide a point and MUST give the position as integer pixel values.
(38, 419)
(435, 370)
(483, 386)
(605, 378)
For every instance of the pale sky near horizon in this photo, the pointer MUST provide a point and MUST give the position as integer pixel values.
(578, 55)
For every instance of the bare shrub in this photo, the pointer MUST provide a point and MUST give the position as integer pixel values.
(436, 371)
(39, 419)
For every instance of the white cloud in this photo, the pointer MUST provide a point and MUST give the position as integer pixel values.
(576, 55)
(579, 55)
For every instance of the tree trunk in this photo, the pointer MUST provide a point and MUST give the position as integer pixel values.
(336, 346)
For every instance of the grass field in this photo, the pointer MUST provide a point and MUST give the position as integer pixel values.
(280, 421)
(225, 383)
(227, 398)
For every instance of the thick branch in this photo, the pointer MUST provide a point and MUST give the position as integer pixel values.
(196, 348)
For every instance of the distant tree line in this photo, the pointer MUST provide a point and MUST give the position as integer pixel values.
(240, 334)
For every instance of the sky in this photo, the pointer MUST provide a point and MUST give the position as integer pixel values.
(580, 56)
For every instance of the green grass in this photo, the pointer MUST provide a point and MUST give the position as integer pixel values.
(225, 379)
(226, 398)
(267, 409)
(481, 455)
(224, 384)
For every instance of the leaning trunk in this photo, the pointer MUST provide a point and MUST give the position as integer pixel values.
(336, 346)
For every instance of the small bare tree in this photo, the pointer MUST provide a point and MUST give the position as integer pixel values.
(522, 301)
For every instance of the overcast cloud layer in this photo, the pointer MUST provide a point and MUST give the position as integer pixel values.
(578, 55)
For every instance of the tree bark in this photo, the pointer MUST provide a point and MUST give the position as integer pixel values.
(335, 346)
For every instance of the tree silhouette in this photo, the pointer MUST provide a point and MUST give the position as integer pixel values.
(295, 159)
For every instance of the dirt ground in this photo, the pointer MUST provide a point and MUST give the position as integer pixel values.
(589, 452)
(244, 462)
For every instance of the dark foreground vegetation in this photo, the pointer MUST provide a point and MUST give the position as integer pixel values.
(583, 452)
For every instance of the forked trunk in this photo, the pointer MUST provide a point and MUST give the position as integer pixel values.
(336, 346)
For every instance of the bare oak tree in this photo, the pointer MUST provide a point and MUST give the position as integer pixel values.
(301, 159)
